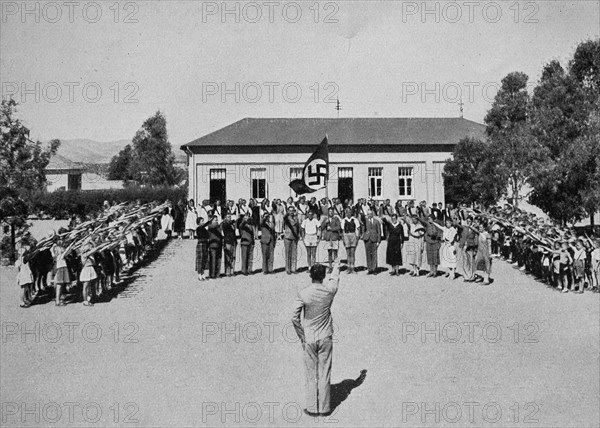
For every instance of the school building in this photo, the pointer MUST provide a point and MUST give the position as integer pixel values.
(379, 158)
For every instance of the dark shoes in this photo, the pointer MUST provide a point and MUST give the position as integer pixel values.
(314, 415)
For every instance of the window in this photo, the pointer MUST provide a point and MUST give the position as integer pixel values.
(74, 182)
(258, 183)
(295, 174)
(345, 173)
(405, 181)
(375, 182)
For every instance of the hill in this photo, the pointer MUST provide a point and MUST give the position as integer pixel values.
(96, 152)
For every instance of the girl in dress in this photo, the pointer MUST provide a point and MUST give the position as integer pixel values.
(191, 215)
(24, 275)
(62, 276)
(166, 226)
(88, 274)
(414, 251)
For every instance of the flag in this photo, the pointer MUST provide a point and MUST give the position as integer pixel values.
(315, 172)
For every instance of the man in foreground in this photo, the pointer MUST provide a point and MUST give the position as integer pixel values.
(316, 336)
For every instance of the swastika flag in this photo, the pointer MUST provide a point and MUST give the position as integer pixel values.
(315, 172)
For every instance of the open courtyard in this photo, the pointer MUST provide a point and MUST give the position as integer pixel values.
(169, 350)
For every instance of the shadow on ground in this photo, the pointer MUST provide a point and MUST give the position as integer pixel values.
(341, 391)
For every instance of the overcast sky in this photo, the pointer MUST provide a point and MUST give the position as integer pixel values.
(382, 59)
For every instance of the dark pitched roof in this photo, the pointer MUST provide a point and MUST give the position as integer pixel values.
(352, 131)
(58, 162)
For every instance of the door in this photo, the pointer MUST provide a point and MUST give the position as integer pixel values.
(345, 184)
(218, 186)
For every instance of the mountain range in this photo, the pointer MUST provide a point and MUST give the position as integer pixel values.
(96, 152)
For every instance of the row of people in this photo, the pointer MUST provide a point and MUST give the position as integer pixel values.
(88, 255)
(451, 237)
(560, 257)
(185, 214)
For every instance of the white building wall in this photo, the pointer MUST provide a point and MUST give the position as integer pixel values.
(56, 181)
(427, 174)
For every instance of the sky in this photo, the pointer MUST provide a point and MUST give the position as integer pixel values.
(97, 70)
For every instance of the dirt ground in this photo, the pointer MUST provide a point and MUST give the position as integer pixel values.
(168, 350)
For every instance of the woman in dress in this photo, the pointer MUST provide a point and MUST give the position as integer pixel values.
(414, 251)
(191, 215)
(395, 238)
(448, 251)
(281, 210)
(254, 216)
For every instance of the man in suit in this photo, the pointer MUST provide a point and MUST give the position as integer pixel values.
(291, 235)
(372, 238)
(316, 337)
(268, 239)
(246, 241)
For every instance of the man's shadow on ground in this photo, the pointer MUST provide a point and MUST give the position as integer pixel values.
(341, 391)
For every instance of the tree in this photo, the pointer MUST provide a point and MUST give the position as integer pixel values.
(119, 166)
(470, 177)
(22, 165)
(585, 68)
(152, 159)
(564, 119)
(513, 149)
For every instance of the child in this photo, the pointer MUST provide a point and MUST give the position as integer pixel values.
(566, 261)
(579, 266)
(88, 274)
(202, 236)
(24, 276)
(62, 276)
(595, 262)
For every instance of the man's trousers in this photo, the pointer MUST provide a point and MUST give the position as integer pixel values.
(317, 364)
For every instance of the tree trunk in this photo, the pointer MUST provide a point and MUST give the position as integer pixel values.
(592, 215)
(12, 257)
(515, 192)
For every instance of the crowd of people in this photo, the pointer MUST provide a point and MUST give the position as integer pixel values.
(457, 239)
(86, 258)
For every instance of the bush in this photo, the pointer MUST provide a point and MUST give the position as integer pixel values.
(63, 203)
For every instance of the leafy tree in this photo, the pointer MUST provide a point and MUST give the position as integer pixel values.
(152, 161)
(564, 119)
(513, 149)
(470, 177)
(22, 165)
(118, 169)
